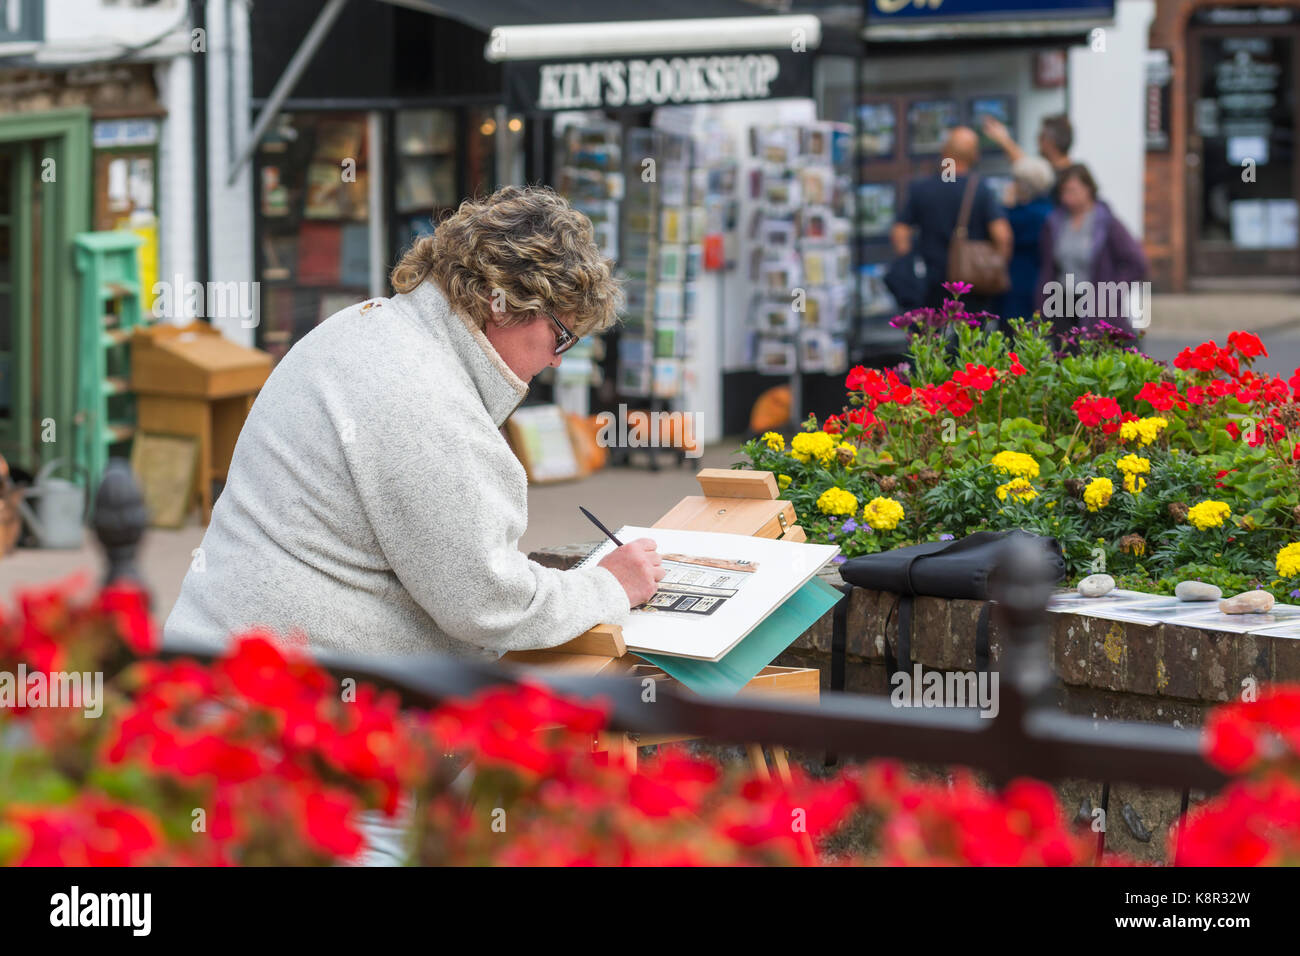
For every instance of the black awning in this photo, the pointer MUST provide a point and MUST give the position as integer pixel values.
(594, 54)
(486, 14)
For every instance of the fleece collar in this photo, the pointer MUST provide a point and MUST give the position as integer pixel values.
(500, 389)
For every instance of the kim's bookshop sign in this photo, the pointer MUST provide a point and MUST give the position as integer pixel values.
(640, 83)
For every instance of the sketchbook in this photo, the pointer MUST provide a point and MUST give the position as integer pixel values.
(717, 589)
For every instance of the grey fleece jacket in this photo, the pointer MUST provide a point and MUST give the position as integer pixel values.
(373, 505)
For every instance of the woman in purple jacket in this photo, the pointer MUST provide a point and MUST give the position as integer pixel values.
(1085, 253)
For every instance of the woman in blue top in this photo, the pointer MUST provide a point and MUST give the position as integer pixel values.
(1028, 205)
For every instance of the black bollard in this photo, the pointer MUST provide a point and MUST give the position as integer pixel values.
(1021, 585)
(119, 520)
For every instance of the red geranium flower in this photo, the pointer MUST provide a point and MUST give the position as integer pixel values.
(979, 377)
(91, 831)
(1093, 409)
(1247, 344)
(327, 821)
(960, 403)
(128, 605)
(1161, 396)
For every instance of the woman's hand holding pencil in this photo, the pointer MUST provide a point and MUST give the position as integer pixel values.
(638, 567)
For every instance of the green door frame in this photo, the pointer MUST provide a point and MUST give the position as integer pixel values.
(16, 434)
(65, 137)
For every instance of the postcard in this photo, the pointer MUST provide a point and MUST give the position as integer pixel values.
(1156, 610)
(1290, 630)
(1074, 602)
(1280, 615)
(776, 357)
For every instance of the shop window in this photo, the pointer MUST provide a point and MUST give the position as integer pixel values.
(480, 153)
(1244, 122)
(425, 174)
(313, 223)
(126, 189)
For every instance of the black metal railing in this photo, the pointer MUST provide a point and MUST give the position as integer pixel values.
(1028, 736)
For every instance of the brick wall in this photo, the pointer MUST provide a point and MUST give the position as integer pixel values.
(1166, 214)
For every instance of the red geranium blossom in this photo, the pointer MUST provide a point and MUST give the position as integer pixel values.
(834, 424)
(1162, 396)
(1202, 358)
(979, 377)
(1093, 409)
(1247, 344)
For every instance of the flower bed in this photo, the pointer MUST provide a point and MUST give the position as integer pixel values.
(261, 757)
(1155, 475)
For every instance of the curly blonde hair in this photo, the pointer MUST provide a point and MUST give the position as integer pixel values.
(521, 250)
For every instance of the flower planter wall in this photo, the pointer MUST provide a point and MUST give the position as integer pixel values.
(1109, 670)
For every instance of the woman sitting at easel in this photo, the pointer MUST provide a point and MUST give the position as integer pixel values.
(372, 503)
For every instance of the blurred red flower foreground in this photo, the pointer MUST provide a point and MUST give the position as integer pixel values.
(261, 757)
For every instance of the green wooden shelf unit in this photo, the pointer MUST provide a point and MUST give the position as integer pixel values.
(108, 311)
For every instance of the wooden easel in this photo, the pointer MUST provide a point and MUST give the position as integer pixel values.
(734, 502)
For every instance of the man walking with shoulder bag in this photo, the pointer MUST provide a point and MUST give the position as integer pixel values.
(963, 232)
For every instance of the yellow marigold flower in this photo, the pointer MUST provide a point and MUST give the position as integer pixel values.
(1145, 430)
(1288, 561)
(774, 441)
(837, 501)
(1017, 488)
(1134, 483)
(883, 514)
(1208, 514)
(783, 481)
(1016, 463)
(1133, 465)
(1097, 495)
(808, 445)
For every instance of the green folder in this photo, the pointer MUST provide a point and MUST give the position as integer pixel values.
(756, 649)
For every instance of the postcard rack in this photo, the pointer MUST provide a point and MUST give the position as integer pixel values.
(733, 502)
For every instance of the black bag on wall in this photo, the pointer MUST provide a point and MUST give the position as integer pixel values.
(948, 569)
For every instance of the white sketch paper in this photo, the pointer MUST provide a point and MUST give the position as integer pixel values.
(780, 569)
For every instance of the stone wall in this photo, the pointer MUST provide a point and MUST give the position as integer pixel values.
(1107, 670)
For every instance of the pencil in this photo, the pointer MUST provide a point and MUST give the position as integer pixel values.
(596, 521)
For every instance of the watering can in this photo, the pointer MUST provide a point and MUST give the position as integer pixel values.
(60, 509)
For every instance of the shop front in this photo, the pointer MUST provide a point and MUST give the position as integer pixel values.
(695, 147)
(364, 155)
(355, 160)
(1225, 174)
(929, 67)
(78, 151)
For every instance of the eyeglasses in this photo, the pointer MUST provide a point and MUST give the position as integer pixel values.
(566, 339)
